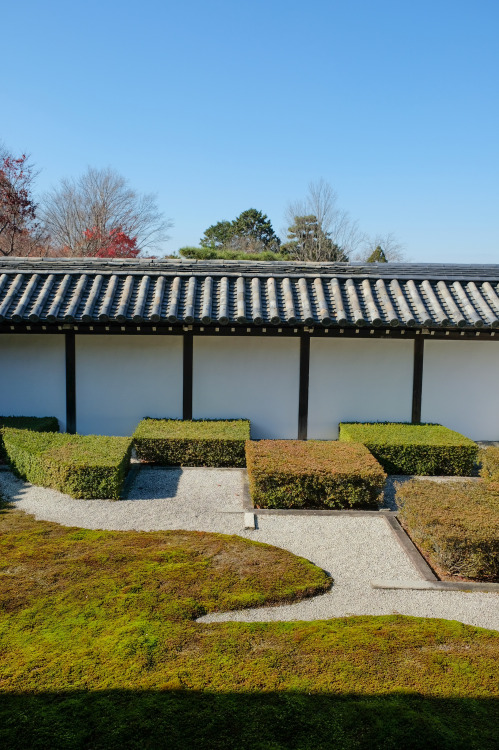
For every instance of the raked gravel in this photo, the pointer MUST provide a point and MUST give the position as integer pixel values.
(354, 550)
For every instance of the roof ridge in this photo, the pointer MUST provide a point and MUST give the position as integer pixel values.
(181, 266)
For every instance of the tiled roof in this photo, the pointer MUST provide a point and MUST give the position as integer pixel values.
(91, 291)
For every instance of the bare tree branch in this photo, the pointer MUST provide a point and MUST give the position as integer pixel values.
(101, 200)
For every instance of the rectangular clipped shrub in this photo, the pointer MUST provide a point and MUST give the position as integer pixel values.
(177, 442)
(83, 466)
(454, 524)
(489, 470)
(38, 424)
(426, 449)
(312, 474)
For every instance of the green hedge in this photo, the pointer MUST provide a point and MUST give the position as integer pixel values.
(83, 466)
(312, 474)
(489, 469)
(208, 253)
(176, 442)
(426, 449)
(454, 524)
(37, 424)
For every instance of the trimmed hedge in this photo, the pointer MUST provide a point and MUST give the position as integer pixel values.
(37, 424)
(312, 474)
(455, 524)
(403, 448)
(489, 470)
(83, 466)
(203, 442)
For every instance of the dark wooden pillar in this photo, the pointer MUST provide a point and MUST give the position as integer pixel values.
(417, 380)
(70, 383)
(303, 388)
(187, 376)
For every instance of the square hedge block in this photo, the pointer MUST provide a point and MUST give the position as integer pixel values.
(203, 442)
(83, 466)
(424, 449)
(455, 524)
(37, 424)
(313, 474)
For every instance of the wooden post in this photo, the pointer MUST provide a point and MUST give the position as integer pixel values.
(70, 383)
(417, 380)
(303, 387)
(187, 376)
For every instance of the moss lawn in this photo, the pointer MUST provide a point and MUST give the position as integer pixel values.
(99, 650)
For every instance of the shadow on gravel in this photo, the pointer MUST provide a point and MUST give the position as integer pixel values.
(149, 483)
(183, 719)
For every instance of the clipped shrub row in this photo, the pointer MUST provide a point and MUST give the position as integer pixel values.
(312, 474)
(454, 524)
(38, 424)
(174, 442)
(425, 449)
(83, 466)
(489, 470)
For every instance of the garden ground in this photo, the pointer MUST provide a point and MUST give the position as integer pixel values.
(99, 650)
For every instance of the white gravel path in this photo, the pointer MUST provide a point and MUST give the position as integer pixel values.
(354, 550)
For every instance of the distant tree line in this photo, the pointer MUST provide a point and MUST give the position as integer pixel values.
(317, 230)
(100, 215)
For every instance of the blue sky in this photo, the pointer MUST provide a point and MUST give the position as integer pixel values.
(222, 106)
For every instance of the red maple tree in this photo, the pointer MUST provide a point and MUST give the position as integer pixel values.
(115, 244)
(17, 208)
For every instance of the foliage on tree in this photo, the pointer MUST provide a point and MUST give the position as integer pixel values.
(218, 235)
(18, 226)
(116, 244)
(209, 253)
(308, 241)
(392, 250)
(337, 234)
(377, 256)
(102, 203)
(250, 232)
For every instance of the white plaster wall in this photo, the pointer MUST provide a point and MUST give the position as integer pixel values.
(358, 381)
(460, 387)
(33, 376)
(122, 379)
(251, 378)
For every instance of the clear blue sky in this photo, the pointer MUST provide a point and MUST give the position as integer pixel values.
(221, 106)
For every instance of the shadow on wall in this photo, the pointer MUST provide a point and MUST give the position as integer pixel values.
(181, 719)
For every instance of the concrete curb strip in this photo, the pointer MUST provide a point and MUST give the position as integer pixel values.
(468, 586)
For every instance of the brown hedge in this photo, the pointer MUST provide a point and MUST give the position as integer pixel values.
(312, 474)
(455, 524)
(489, 470)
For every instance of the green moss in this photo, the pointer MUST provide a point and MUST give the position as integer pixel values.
(425, 449)
(99, 650)
(175, 442)
(83, 466)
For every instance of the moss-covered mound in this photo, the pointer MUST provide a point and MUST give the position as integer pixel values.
(425, 449)
(83, 466)
(203, 442)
